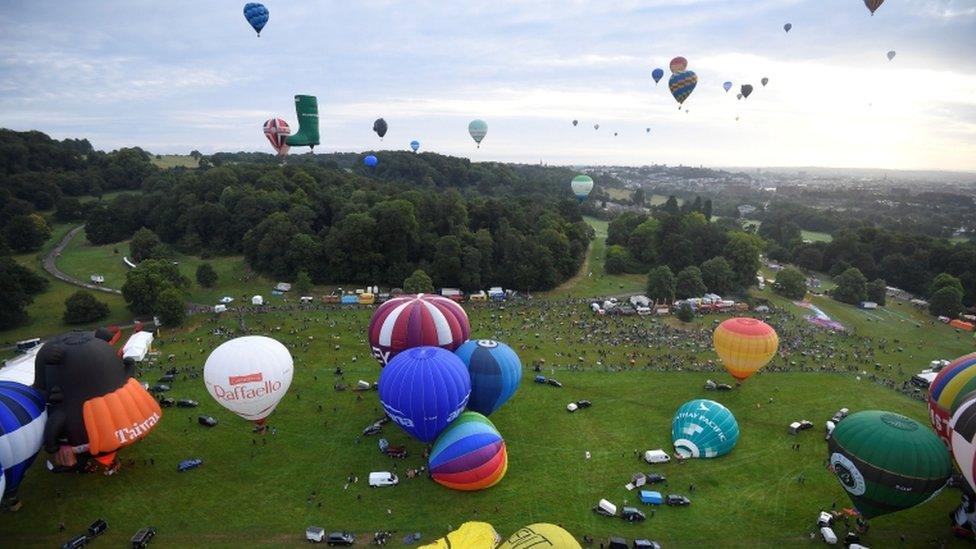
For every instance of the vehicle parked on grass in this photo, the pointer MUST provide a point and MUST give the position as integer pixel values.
(656, 456)
(655, 478)
(632, 514)
(97, 528)
(187, 403)
(167, 402)
(188, 464)
(207, 421)
(315, 534)
(605, 508)
(340, 538)
(77, 541)
(142, 538)
(677, 500)
(382, 478)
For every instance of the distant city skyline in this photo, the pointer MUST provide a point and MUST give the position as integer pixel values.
(177, 76)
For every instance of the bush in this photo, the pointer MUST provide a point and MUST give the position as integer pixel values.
(418, 283)
(81, 307)
(851, 287)
(877, 291)
(790, 283)
(684, 313)
(946, 302)
(206, 275)
(618, 259)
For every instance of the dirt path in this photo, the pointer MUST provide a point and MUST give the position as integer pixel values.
(51, 267)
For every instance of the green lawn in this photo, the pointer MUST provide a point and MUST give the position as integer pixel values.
(259, 491)
(167, 161)
(592, 281)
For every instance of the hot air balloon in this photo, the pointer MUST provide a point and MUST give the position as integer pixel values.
(703, 429)
(745, 345)
(682, 84)
(727, 86)
(873, 5)
(647, 130)
(739, 96)
(23, 415)
(596, 126)
(575, 123)
(764, 81)
(256, 15)
(887, 462)
(657, 75)
(540, 535)
(249, 375)
(746, 90)
(615, 134)
(414, 145)
(471, 535)
(962, 427)
(416, 320)
(424, 389)
(891, 55)
(469, 455)
(787, 27)
(277, 131)
(370, 161)
(380, 127)
(495, 372)
(948, 391)
(678, 64)
(95, 406)
(581, 185)
(307, 111)
(478, 129)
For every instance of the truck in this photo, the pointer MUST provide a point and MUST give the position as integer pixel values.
(454, 294)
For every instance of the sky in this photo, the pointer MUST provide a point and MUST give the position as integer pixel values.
(176, 76)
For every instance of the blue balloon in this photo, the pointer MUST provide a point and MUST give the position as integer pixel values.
(495, 372)
(657, 75)
(257, 15)
(703, 429)
(727, 86)
(424, 389)
(370, 161)
(23, 414)
(415, 145)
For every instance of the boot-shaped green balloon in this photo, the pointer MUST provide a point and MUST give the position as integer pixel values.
(307, 110)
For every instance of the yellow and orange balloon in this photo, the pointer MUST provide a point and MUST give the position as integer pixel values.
(745, 345)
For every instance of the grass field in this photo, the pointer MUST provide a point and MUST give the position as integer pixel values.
(167, 161)
(592, 280)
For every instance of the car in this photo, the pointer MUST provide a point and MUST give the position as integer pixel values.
(572, 407)
(159, 388)
(188, 464)
(656, 456)
(382, 478)
(605, 508)
(372, 429)
(840, 415)
(553, 382)
(710, 385)
(340, 538)
(618, 543)
(677, 500)
(167, 378)
(804, 425)
(724, 387)
(646, 544)
(187, 403)
(167, 402)
(207, 421)
(77, 541)
(632, 514)
(540, 379)
(655, 478)
(142, 538)
(584, 403)
(97, 528)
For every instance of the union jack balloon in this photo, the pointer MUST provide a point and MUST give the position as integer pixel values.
(416, 320)
(277, 130)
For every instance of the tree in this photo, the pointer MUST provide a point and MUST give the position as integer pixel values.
(945, 280)
(144, 245)
(671, 206)
(26, 233)
(144, 284)
(877, 291)
(81, 307)
(661, 284)
(418, 283)
(69, 209)
(947, 301)
(303, 283)
(684, 312)
(446, 268)
(170, 307)
(642, 242)
(718, 276)
(790, 283)
(689, 283)
(851, 287)
(810, 258)
(206, 275)
(781, 231)
(742, 253)
(617, 261)
(708, 210)
(638, 197)
(18, 285)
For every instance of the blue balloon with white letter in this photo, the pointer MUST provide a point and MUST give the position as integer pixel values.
(23, 414)
(424, 389)
(703, 429)
(495, 372)
(370, 161)
(657, 75)
(415, 145)
(257, 15)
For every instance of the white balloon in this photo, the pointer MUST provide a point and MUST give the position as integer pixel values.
(963, 439)
(249, 375)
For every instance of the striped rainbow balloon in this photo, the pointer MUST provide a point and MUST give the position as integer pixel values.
(745, 345)
(949, 390)
(469, 455)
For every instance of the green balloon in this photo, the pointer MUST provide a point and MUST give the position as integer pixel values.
(887, 462)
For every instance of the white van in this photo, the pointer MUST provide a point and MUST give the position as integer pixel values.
(656, 456)
(828, 535)
(220, 308)
(315, 534)
(382, 478)
(829, 428)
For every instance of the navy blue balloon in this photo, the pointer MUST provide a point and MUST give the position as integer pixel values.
(495, 372)
(415, 145)
(657, 74)
(23, 415)
(424, 389)
(371, 161)
(257, 15)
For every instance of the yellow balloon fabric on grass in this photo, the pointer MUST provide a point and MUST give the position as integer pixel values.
(745, 345)
(471, 535)
(535, 536)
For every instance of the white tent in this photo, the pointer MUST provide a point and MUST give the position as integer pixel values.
(257, 300)
(20, 368)
(137, 347)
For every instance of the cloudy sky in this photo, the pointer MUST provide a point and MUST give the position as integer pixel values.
(180, 75)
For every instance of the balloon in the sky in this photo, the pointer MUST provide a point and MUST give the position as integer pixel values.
(256, 15)
(307, 111)
(764, 81)
(471, 535)
(478, 129)
(581, 185)
(678, 64)
(647, 130)
(277, 131)
(249, 375)
(745, 345)
(703, 429)
(380, 127)
(615, 134)
(948, 391)
(873, 5)
(424, 389)
(727, 86)
(682, 84)
(963, 439)
(657, 75)
(739, 96)
(746, 90)
(416, 320)
(469, 455)
(787, 27)
(891, 55)
(495, 372)
(414, 145)
(539, 536)
(370, 161)
(23, 415)
(596, 126)
(575, 123)
(887, 462)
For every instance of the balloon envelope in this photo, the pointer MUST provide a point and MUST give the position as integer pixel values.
(540, 535)
(873, 5)
(478, 129)
(380, 127)
(575, 123)
(424, 389)
(307, 111)
(249, 375)
(416, 320)
(678, 64)
(23, 415)
(469, 455)
(887, 462)
(787, 27)
(256, 15)
(596, 126)
(703, 429)
(745, 345)
(947, 391)
(582, 185)
(746, 90)
(495, 372)
(764, 81)
(682, 84)
(963, 440)
(891, 55)
(370, 161)
(471, 535)
(414, 145)
(277, 132)
(727, 86)
(657, 75)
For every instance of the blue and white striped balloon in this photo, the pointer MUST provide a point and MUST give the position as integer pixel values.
(495, 373)
(23, 414)
(703, 429)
